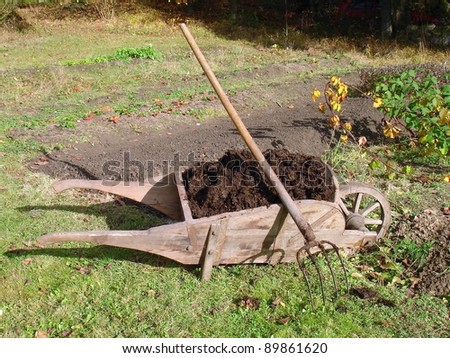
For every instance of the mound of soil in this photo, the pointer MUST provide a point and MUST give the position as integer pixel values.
(235, 182)
(434, 227)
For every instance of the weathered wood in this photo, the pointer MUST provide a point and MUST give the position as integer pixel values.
(245, 238)
(160, 194)
(213, 248)
(378, 204)
(276, 237)
(186, 210)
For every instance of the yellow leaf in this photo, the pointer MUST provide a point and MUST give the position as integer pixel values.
(335, 81)
(347, 126)
(315, 95)
(447, 178)
(344, 138)
(337, 107)
(444, 117)
(377, 102)
(342, 89)
(390, 131)
(334, 121)
(322, 107)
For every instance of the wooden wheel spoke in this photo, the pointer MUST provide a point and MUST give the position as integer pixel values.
(369, 221)
(357, 202)
(370, 208)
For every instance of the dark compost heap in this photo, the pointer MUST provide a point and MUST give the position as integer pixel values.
(235, 181)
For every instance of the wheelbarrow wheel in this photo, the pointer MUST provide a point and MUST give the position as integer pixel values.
(365, 206)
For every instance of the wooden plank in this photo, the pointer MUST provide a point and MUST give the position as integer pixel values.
(159, 192)
(210, 251)
(279, 240)
(213, 248)
(186, 210)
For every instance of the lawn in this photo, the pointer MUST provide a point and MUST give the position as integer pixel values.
(81, 290)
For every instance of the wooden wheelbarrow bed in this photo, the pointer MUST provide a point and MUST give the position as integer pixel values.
(260, 235)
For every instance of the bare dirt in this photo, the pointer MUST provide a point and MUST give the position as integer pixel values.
(136, 148)
(433, 276)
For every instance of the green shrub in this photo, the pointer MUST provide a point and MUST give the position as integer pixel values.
(417, 104)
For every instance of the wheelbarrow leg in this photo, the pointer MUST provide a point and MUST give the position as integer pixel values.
(213, 248)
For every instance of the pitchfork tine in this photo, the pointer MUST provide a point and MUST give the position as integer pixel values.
(322, 247)
(330, 266)
(305, 276)
(319, 273)
(336, 250)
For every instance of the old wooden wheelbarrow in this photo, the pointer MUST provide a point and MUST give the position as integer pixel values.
(285, 232)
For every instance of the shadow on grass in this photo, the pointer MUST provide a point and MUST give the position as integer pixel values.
(104, 253)
(118, 217)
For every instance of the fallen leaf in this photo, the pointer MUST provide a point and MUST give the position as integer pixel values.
(27, 261)
(375, 275)
(43, 291)
(357, 275)
(114, 119)
(66, 333)
(106, 109)
(364, 292)
(41, 334)
(362, 141)
(276, 302)
(415, 281)
(423, 179)
(84, 270)
(430, 212)
(284, 320)
(290, 106)
(249, 303)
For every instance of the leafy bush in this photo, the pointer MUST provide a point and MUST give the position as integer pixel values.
(370, 77)
(125, 55)
(419, 103)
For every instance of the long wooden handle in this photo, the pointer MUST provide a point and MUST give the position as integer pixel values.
(284, 196)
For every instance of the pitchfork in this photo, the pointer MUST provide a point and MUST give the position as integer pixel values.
(311, 244)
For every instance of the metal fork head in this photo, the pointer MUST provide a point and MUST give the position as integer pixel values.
(309, 250)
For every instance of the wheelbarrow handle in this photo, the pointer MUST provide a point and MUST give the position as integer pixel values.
(284, 196)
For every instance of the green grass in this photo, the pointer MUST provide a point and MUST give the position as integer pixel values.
(80, 290)
(125, 55)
